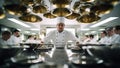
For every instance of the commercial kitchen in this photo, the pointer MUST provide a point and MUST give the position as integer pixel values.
(59, 33)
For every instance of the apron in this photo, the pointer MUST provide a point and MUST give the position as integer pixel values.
(60, 55)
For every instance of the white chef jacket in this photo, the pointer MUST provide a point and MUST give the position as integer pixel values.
(30, 41)
(103, 40)
(86, 41)
(114, 39)
(4, 42)
(15, 40)
(60, 38)
(92, 41)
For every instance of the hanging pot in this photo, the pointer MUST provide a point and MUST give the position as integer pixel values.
(49, 15)
(61, 12)
(30, 18)
(16, 9)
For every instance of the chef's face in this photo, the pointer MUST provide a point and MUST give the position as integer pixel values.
(116, 31)
(110, 32)
(6, 36)
(102, 34)
(60, 27)
(17, 34)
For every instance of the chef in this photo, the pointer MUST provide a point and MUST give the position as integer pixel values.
(5, 38)
(103, 37)
(112, 37)
(60, 37)
(15, 38)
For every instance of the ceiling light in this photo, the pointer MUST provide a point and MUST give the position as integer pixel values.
(33, 33)
(104, 21)
(35, 29)
(85, 29)
(93, 32)
(101, 29)
(87, 33)
(4, 29)
(27, 32)
(18, 22)
(19, 29)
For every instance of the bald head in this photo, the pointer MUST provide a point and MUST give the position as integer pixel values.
(60, 26)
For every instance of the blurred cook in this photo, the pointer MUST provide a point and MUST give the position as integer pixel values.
(5, 38)
(60, 36)
(15, 38)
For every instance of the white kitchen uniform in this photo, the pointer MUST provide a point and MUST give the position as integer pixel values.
(114, 39)
(60, 39)
(4, 42)
(15, 40)
(103, 40)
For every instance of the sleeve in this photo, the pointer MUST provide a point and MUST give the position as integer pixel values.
(116, 40)
(48, 37)
(72, 37)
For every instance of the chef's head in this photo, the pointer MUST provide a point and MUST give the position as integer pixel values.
(60, 26)
(109, 31)
(6, 35)
(117, 29)
(16, 33)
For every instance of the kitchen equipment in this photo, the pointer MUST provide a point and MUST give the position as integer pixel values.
(102, 52)
(31, 45)
(48, 65)
(86, 61)
(27, 57)
(9, 51)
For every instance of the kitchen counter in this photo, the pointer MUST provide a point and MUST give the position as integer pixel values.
(63, 58)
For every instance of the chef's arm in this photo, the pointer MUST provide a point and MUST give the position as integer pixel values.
(48, 38)
(74, 39)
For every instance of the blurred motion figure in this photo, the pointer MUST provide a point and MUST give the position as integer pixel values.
(15, 38)
(103, 37)
(60, 37)
(5, 40)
